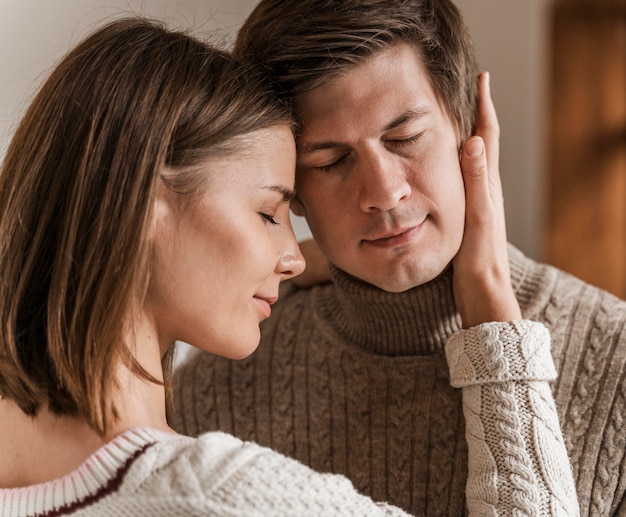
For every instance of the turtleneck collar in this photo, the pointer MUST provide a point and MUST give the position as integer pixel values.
(414, 322)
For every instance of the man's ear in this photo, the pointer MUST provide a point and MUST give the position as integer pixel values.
(297, 207)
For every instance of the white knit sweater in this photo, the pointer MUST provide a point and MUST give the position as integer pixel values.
(519, 464)
(516, 453)
(144, 472)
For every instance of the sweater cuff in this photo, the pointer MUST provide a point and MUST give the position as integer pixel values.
(500, 352)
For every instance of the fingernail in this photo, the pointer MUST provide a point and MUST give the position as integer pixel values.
(474, 147)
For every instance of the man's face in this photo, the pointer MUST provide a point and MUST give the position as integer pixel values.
(378, 176)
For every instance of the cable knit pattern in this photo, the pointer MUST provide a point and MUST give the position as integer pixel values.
(500, 352)
(377, 347)
(511, 423)
(144, 472)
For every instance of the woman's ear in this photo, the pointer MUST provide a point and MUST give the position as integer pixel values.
(162, 209)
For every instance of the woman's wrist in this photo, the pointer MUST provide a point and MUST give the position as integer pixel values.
(500, 352)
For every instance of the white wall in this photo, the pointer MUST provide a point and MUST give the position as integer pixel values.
(34, 34)
(510, 41)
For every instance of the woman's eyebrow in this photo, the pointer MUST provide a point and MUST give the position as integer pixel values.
(287, 193)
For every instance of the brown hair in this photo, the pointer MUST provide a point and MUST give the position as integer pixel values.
(304, 43)
(77, 189)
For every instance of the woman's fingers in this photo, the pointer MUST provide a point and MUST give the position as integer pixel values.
(478, 195)
(482, 235)
(482, 284)
(488, 128)
(487, 125)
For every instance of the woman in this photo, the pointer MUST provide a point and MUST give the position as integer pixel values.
(144, 199)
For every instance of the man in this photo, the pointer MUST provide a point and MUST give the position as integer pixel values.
(350, 376)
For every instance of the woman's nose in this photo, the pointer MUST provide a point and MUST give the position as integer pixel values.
(291, 261)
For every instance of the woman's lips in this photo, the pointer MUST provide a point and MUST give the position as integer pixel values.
(265, 305)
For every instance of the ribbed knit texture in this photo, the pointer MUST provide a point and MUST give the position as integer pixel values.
(353, 380)
(144, 472)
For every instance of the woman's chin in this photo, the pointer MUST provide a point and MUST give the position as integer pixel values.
(242, 348)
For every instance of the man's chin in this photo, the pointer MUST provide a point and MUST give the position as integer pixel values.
(399, 281)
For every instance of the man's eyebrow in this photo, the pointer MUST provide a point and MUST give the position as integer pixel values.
(408, 116)
(307, 148)
(287, 193)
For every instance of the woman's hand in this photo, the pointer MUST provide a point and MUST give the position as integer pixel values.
(316, 271)
(482, 281)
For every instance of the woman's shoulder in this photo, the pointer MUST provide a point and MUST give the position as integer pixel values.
(209, 456)
(228, 474)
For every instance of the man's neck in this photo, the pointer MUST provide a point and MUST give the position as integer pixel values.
(414, 322)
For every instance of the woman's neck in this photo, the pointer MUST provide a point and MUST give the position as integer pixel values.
(46, 447)
(41, 448)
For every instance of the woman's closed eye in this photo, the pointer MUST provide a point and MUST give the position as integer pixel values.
(275, 208)
(268, 218)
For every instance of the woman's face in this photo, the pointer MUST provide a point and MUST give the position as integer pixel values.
(218, 260)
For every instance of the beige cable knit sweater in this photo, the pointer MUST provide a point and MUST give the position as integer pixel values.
(353, 380)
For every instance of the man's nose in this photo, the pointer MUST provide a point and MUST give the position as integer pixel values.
(382, 181)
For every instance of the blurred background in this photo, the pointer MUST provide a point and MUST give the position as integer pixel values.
(558, 75)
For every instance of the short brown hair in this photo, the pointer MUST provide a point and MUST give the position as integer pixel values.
(304, 43)
(77, 189)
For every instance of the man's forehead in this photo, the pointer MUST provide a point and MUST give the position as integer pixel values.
(382, 73)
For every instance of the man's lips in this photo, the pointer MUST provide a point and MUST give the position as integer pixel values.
(393, 238)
